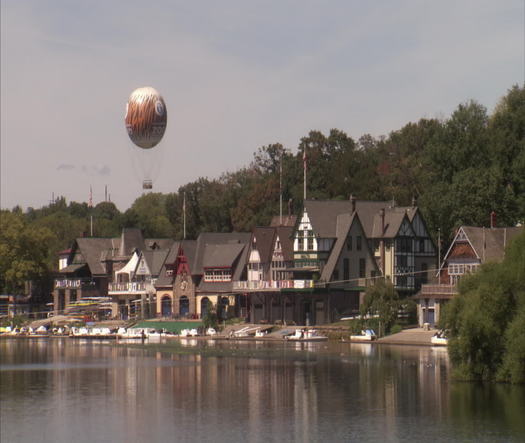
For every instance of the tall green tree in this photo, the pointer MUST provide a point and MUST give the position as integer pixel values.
(382, 300)
(24, 252)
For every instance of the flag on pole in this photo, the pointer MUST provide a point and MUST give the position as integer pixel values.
(90, 204)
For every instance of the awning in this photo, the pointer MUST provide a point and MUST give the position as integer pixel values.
(131, 265)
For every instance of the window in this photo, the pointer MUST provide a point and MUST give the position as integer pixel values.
(424, 276)
(362, 267)
(359, 243)
(346, 269)
(335, 275)
(401, 261)
(310, 243)
(214, 275)
(421, 245)
(300, 244)
(404, 244)
(73, 295)
(349, 243)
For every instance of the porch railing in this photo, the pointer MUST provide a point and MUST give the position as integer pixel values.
(261, 285)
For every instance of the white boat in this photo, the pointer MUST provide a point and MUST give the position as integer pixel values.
(306, 335)
(211, 331)
(366, 335)
(439, 339)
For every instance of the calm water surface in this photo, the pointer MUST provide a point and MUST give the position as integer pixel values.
(62, 390)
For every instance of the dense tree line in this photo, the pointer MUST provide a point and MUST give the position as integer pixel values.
(460, 169)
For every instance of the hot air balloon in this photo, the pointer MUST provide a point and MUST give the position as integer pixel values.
(146, 118)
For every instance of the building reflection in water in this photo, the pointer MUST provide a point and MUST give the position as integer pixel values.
(296, 391)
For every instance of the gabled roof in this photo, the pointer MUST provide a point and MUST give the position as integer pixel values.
(393, 221)
(155, 259)
(93, 250)
(323, 214)
(208, 238)
(285, 234)
(164, 279)
(343, 224)
(131, 239)
(490, 243)
(264, 240)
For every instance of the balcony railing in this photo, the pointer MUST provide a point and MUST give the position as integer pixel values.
(307, 263)
(128, 287)
(272, 285)
(439, 289)
(73, 283)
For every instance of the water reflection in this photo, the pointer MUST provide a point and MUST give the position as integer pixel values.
(244, 391)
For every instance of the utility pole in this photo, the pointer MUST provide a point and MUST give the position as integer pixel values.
(439, 254)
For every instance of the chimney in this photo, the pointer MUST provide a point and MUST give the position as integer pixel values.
(414, 201)
(492, 220)
(352, 200)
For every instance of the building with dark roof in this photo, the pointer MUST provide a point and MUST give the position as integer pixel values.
(115, 274)
(201, 272)
(471, 247)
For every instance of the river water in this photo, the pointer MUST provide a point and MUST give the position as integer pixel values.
(64, 390)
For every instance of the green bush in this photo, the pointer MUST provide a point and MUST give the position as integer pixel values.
(396, 329)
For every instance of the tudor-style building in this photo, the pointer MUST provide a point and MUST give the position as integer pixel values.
(402, 248)
(471, 247)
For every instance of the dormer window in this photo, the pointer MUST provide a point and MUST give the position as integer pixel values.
(218, 275)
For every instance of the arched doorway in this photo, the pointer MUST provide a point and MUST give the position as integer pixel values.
(204, 306)
(184, 306)
(165, 307)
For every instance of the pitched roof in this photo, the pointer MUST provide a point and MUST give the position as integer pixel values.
(343, 224)
(323, 214)
(93, 250)
(285, 234)
(131, 239)
(393, 220)
(208, 238)
(221, 255)
(264, 239)
(155, 260)
(490, 243)
(164, 279)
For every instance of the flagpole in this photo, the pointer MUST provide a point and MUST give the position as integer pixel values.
(184, 215)
(304, 168)
(281, 191)
(91, 210)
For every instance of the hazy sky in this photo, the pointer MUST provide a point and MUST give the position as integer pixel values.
(235, 75)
